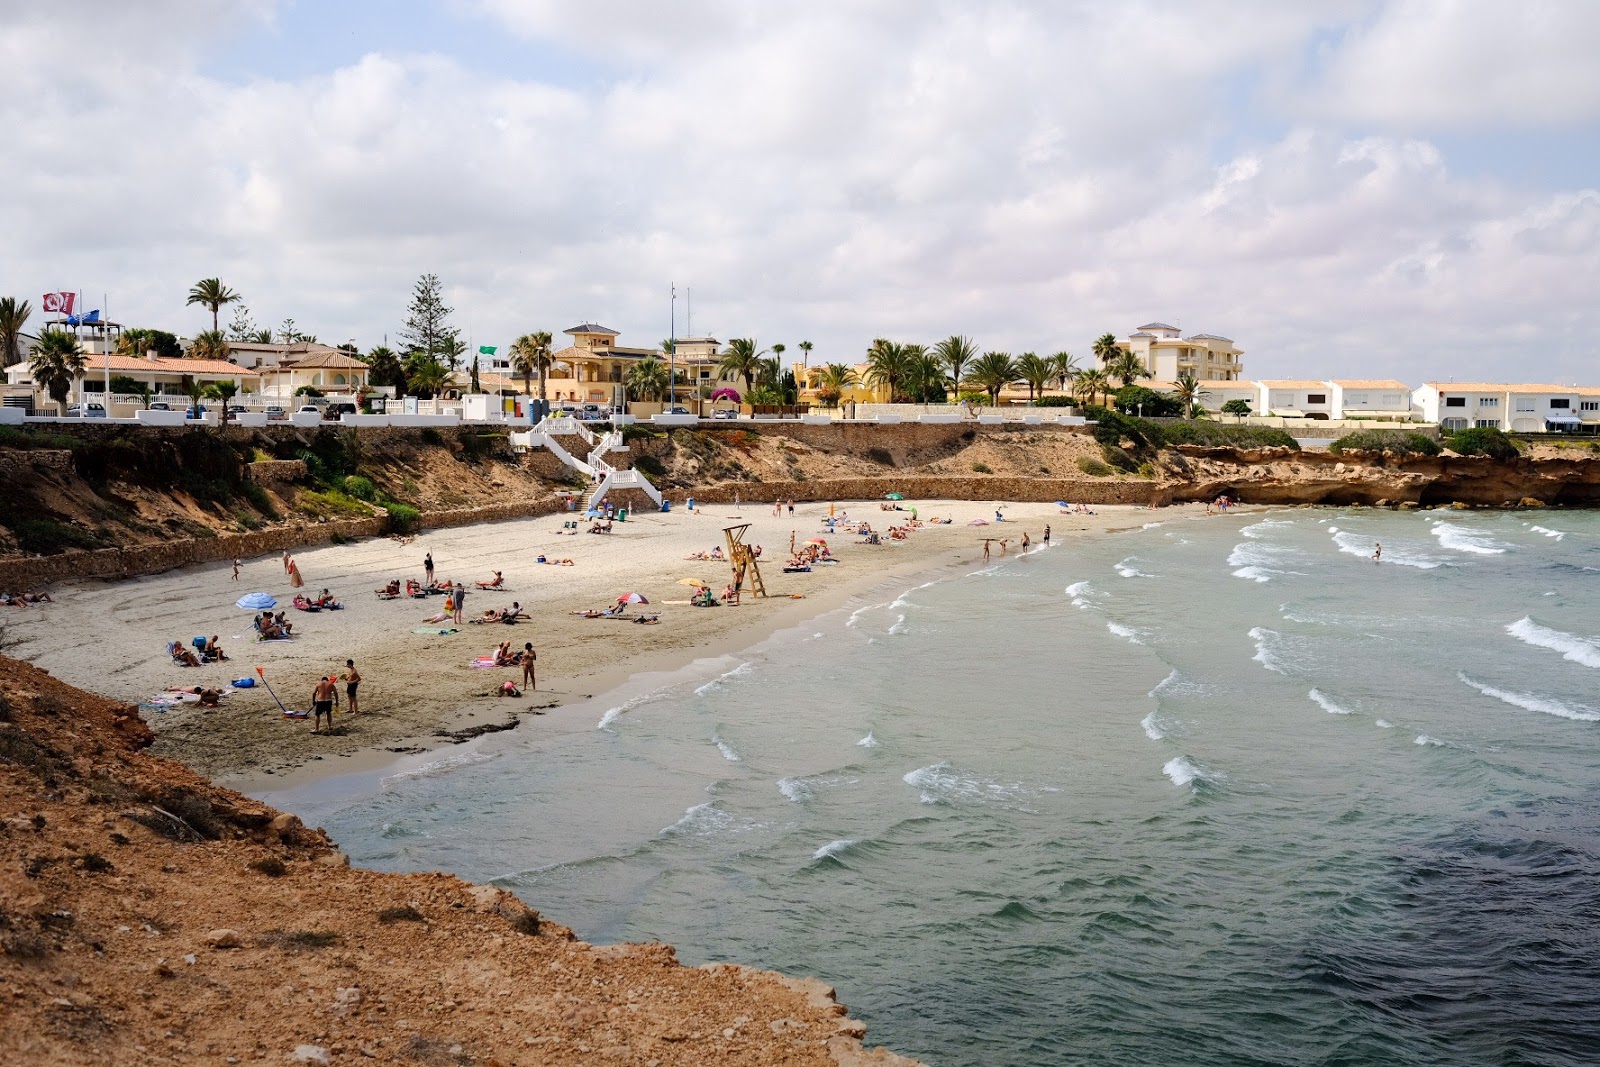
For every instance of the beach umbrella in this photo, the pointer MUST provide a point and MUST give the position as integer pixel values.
(894, 496)
(256, 602)
(633, 598)
(817, 541)
(698, 583)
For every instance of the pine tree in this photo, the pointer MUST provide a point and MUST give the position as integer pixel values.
(427, 330)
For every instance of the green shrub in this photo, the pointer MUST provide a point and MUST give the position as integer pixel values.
(403, 518)
(47, 537)
(982, 468)
(259, 499)
(430, 436)
(635, 432)
(247, 520)
(1097, 468)
(330, 504)
(1119, 458)
(1147, 403)
(1212, 434)
(1055, 402)
(1389, 442)
(1147, 470)
(1482, 441)
(650, 466)
(1110, 429)
(1236, 407)
(360, 488)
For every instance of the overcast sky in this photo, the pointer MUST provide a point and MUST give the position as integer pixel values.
(1347, 188)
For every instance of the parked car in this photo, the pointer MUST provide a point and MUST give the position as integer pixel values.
(312, 408)
(593, 413)
(91, 410)
(196, 412)
(678, 410)
(333, 411)
(276, 414)
(725, 413)
(160, 405)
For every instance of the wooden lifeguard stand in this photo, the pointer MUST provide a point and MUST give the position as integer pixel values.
(741, 557)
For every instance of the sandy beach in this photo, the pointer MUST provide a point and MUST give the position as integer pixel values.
(110, 637)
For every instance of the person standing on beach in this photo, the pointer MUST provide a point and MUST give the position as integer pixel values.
(529, 682)
(324, 698)
(1377, 553)
(427, 567)
(986, 549)
(295, 581)
(791, 509)
(461, 598)
(1047, 533)
(352, 682)
(286, 561)
(1025, 541)
(236, 569)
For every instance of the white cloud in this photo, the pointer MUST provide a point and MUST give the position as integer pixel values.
(1030, 174)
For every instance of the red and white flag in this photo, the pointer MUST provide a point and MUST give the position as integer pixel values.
(58, 303)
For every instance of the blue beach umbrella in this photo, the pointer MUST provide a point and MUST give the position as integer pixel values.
(256, 602)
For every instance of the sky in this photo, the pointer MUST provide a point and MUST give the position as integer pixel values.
(1347, 188)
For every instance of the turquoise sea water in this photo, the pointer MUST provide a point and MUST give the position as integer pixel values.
(1219, 791)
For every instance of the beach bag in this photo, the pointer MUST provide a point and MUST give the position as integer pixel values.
(243, 683)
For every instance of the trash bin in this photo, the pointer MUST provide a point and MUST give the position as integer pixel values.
(666, 505)
(690, 505)
(622, 514)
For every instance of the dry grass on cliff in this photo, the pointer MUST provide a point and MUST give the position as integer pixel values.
(148, 917)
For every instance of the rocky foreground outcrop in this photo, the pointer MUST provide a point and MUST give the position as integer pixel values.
(149, 917)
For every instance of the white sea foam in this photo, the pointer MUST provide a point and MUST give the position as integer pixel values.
(940, 784)
(1262, 528)
(1384, 724)
(1184, 771)
(1152, 728)
(1529, 702)
(1270, 649)
(1333, 529)
(1079, 592)
(703, 820)
(1424, 739)
(1571, 646)
(1322, 701)
(899, 626)
(613, 714)
(868, 742)
(727, 750)
(1352, 545)
(1126, 632)
(1258, 562)
(855, 616)
(716, 683)
(1150, 526)
(1127, 569)
(833, 848)
(1176, 685)
(1556, 534)
(1461, 539)
(794, 790)
(439, 766)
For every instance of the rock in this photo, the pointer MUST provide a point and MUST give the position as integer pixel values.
(224, 939)
(491, 900)
(346, 999)
(310, 1054)
(1407, 505)
(1532, 502)
(334, 859)
(286, 825)
(1459, 505)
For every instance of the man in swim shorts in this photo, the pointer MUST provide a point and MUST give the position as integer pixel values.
(352, 682)
(323, 699)
(528, 656)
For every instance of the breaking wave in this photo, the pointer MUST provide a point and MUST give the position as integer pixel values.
(438, 766)
(940, 784)
(868, 742)
(1529, 702)
(727, 750)
(1556, 534)
(1152, 727)
(1327, 705)
(1424, 739)
(1127, 569)
(833, 848)
(716, 683)
(1352, 545)
(1127, 632)
(1571, 646)
(1460, 539)
(1184, 771)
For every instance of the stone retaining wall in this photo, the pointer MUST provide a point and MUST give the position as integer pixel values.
(275, 470)
(933, 487)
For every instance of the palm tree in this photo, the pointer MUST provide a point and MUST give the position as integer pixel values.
(196, 393)
(887, 366)
(13, 317)
(1036, 371)
(213, 294)
(1091, 383)
(530, 355)
(924, 373)
(647, 378)
(1126, 366)
(1066, 368)
(57, 364)
(1106, 348)
(427, 378)
(741, 360)
(777, 352)
(223, 391)
(805, 354)
(992, 372)
(769, 372)
(1189, 392)
(957, 352)
(209, 344)
(833, 380)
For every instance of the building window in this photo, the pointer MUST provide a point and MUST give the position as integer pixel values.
(1561, 402)
(1490, 424)
(1589, 405)
(1525, 403)
(1454, 424)
(1488, 401)
(1455, 401)
(1316, 398)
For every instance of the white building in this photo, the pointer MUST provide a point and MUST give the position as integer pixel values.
(1380, 399)
(1294, 398)
(1167, 354)
(1507, 406)
(1214, 394)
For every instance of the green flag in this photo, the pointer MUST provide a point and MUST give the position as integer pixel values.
(487, 350)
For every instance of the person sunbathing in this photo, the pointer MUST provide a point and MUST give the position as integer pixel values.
(213, 650)
(513, 613)
(283, 624)
(325, 600)
(414, 588)
(495, 583)
(182, 656)
(503, 656)
(390, 591)
(443, 616)
(647, 620)
(35, 598)
(270, 631)
(209, 698)
(590, 613)
(491, 615)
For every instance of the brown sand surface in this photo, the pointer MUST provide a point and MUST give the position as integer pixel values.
(109, 637)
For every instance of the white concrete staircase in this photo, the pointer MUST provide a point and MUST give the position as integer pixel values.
(594, 466)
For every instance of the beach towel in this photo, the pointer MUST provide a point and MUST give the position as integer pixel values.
(436, 631)
(482, 663)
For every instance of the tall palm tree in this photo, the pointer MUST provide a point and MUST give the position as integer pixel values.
(213, 294)
(1036, 370)
(833, 380)
(805, 354)
(778, 350)
(530, 355)
(992, 372)
(1126, 367)
(57, 364)
(887, 366)
(924, 373)
(223, 391)
(13, 317)
(957, 352)
(1106, 348)
(769, 372)
(647, 378)
(1189, 392)
(427, 378)
(741, 360)
(209, 344)
(1090, 384)
(1066, 368)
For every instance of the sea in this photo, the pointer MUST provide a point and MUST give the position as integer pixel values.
(1220, 790)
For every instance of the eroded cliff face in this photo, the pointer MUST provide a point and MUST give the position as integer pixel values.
(147, 916)
(1280, 476)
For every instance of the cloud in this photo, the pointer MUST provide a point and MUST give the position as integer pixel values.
(1029, 174)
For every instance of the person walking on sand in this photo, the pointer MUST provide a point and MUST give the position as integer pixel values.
(1047, 533)
(286, 561)
(236, 569)
(1025, 541)
(427, 567)
(791, 509)
(1377, 552)
(324, 698)
(529, 682)
(461, 598)
(986, 549)
(295, 581)
(352, 682)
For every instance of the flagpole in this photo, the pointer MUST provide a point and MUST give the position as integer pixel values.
(672, 354)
